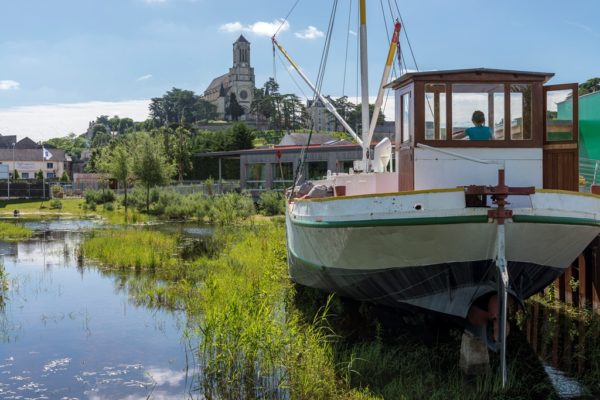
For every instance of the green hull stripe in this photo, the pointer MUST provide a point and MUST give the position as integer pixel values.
(540, 219)
(470, 219)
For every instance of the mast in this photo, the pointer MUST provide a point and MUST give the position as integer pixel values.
(364, 77)
(384, 80)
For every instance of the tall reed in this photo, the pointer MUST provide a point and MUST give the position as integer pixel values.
(13, 232)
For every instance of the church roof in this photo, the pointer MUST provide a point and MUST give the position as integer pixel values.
(217, 82)
(242, 39)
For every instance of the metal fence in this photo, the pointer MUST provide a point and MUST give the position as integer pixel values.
(189, 187)
(25, 189)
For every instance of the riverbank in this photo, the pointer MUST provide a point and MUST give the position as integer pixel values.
(263, 337)
(72, 208)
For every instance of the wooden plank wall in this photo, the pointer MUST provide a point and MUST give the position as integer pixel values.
(580, 284)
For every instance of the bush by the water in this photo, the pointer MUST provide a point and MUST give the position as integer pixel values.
(99, 196)
(229, 208)
(56, 204)
(12, 231)
(272, 203)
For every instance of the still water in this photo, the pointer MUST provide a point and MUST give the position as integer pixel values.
(69, 332)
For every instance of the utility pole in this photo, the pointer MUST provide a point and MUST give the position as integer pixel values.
(13, 170)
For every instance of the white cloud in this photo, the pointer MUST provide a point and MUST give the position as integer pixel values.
(260, 28)
(47, 121)
(164, 376)
(9, 85)
(144, 77)
(310, 33)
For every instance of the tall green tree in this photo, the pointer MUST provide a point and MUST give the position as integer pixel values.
(178, 104)
(117, 162)
(182, 154)
(590, 86)
(234, 109)
(150, 164)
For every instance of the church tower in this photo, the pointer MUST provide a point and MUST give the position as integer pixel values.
(241, 75)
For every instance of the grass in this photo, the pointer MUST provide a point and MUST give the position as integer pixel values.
(263, 337)
(139, 249)
(10, 231)
(71, 207)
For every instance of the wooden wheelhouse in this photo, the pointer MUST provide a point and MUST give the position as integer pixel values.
(534, 127)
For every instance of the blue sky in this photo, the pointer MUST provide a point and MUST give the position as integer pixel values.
(73, 59)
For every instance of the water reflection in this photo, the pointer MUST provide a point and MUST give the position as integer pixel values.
(68, 331)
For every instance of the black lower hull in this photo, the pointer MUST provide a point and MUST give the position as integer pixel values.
(445, 288)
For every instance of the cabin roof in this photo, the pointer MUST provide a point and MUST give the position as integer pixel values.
(483, 74)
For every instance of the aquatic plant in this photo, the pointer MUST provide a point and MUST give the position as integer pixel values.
(14, 231)
(140, 249)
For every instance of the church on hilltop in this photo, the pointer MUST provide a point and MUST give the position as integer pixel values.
(239, 80)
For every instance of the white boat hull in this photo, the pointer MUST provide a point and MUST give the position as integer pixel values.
(427, 250)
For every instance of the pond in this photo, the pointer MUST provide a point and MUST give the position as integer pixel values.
(69, 332)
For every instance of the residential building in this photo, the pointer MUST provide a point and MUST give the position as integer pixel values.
(27, 158)
(321, 118)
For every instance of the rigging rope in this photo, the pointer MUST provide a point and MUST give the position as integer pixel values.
(347, 45)
(406, 35)
(319, 84)
(283, 21)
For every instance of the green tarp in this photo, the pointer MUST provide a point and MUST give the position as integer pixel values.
(589, 139)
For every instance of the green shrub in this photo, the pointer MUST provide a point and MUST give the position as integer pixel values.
(91, 205)
(57, 191)
(231, 208)
(56, 204)
(272, 203)
(137, 198)
(99, 196)
(108, 207)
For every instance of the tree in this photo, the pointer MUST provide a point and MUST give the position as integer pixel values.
(39, 175)
(241, 137)
(590, 86)
(355, 117)
(117, 162)
(15, 176)
(234, 109)
(150, 164)
(65, 177)
(182, 154)
(178, 104)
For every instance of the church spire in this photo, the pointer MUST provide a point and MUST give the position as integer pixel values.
(241, 52)
(242, 39)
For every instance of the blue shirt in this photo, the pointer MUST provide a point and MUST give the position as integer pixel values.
(479, 133)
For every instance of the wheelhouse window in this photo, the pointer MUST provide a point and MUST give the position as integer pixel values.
(520, 112)
(405, 112)
(435, 111)
(477, 111)
(559, 115)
